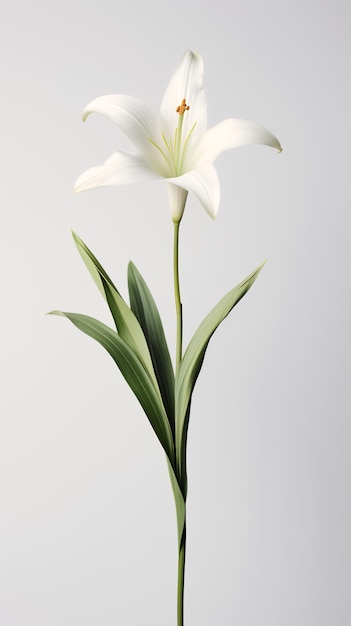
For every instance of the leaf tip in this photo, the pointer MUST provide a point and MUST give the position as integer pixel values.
(131, 269)
(77, 240)
(55, 312)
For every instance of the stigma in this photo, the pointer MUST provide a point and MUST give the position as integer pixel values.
(182, 107)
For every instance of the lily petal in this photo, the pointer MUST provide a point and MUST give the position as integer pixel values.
(186, 82)
(177, 198)
(233, 133)
(119, 169)
(203, 182)
(135, 118)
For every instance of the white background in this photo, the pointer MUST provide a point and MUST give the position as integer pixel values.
(88, 532)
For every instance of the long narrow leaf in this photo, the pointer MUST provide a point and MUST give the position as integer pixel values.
(134, 373)
(127, 324)
(95, 268)
(191, 363)
(179, 500)
(145, 309)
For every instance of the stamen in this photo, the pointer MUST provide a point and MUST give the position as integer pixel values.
(182, 107)
(166, 143)
(185, 146)
(167, 159)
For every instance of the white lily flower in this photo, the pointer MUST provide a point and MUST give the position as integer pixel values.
(173, 144)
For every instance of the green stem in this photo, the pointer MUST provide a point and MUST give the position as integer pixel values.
(181, 570)
(178, 303)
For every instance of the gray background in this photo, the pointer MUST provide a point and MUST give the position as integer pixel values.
(88, 533)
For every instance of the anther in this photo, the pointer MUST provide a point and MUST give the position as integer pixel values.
(183, 107)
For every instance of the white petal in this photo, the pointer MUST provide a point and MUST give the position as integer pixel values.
(186, 82)
(177, 198)
(119, 169)
(203, 182)
(232, 133)
(132, 116)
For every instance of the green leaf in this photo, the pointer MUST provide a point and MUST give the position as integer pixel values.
(96, 270)
(127, 324)
(145, 309)
(192, 360)
(133, 372)
(179, 500)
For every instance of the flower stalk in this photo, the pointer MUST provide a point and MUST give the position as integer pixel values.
(181, 572)
(179, 335)
(178, 303)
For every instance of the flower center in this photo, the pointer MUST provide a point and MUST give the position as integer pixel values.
(175, 148)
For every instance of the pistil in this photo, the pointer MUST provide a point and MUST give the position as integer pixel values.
(178, 135)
